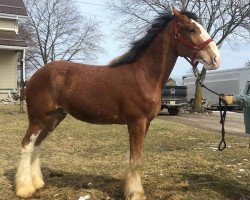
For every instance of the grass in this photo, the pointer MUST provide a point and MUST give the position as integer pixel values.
(78, 159)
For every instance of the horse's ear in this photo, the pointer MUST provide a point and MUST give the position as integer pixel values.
(180, 17)
(175, 11)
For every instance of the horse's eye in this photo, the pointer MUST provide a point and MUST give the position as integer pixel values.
(191, 30)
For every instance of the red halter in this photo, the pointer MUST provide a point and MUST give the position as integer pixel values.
(195, 47)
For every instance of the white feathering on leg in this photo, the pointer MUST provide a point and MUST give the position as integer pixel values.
(133, 188)
(37, 177)
(24, 185)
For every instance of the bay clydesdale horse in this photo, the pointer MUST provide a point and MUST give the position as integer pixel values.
(127, 91)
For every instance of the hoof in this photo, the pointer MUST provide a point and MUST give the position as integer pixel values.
(38, 183)
(25, 192)
(135, 196)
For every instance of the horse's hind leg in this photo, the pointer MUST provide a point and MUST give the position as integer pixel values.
(55, 118)
(29, 175)
(24, 185)
(36, 173)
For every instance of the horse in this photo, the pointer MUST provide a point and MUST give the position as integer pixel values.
(126, 91)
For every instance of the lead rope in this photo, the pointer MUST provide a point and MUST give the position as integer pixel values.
(223, 143)
(223, 113)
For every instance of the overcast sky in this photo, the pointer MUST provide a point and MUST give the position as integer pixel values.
(230, 58)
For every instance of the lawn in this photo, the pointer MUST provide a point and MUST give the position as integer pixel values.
(78, 159)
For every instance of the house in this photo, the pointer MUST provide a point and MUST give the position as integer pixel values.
(12, 47)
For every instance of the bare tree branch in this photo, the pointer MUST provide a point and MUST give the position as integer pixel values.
(221, 18)
(56, 30)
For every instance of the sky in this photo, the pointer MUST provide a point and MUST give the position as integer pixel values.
(230, 57)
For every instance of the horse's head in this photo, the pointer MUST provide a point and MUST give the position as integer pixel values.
(193, 41)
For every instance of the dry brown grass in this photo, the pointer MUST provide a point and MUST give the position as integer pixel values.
(180, 162)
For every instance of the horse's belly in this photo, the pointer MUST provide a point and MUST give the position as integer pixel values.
(99, 119)
(97, 116)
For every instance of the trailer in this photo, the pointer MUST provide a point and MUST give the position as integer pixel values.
(233, 81)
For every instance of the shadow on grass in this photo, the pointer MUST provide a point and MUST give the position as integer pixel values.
(230, 189)
(77, 181)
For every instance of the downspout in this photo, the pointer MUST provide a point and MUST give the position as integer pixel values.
(22, 83)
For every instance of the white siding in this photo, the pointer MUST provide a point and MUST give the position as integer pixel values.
(8, 69)
(8, 24)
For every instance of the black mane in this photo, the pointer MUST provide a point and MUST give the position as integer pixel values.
(157, 26)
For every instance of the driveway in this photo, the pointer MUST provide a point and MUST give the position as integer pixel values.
(234, 121)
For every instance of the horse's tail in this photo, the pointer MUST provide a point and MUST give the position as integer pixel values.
(23, 91)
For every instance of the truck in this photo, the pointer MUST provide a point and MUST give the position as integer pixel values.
(229, 82)
(173, 97)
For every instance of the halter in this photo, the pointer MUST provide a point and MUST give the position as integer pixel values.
(195, 47)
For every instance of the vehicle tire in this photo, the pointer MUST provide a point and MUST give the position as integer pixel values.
(173, 111)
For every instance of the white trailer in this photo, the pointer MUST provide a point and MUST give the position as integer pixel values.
(233, 81)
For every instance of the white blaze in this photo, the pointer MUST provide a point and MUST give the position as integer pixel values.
(208, 58)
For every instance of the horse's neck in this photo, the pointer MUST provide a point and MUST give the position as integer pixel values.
(158, 60)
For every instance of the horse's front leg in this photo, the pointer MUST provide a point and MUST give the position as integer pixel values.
(133, 189)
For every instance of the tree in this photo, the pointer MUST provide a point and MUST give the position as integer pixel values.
(55, 30)
(224, 20)
(247, 64)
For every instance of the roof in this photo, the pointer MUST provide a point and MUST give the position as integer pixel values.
(13, 7)
(10, 38)
(220, 71)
